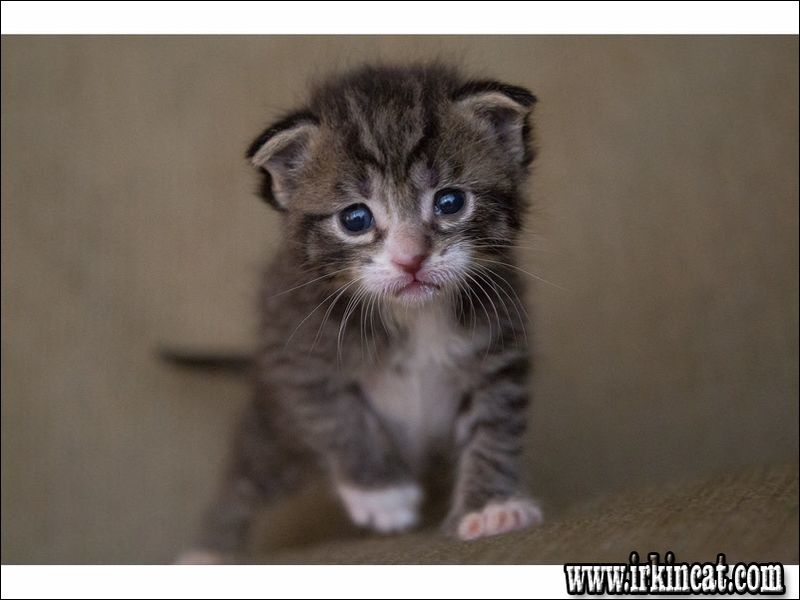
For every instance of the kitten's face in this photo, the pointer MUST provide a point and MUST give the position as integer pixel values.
(407, 243)
(404, 191)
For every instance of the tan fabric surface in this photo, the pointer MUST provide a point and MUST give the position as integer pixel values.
(746, 516)
(666, 207)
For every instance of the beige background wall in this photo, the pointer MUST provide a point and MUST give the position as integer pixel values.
(667, 209)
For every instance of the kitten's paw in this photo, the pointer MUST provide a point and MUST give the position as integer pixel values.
(201, 556)
(499, 517)
(387, 510)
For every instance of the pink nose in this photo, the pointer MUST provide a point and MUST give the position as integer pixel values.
(409, 264)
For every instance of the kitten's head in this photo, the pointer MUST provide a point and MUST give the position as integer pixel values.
(402, 182)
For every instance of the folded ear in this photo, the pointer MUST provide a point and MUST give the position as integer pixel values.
(281, 152)
(501, 109)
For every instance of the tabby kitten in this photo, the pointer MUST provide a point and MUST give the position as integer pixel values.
(392, 328)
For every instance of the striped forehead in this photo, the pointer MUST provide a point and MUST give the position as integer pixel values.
(389, 137)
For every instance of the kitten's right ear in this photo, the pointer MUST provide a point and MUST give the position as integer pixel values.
(280, 152)
(503, 110)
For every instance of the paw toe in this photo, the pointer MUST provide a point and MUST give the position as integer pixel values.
(471, 526)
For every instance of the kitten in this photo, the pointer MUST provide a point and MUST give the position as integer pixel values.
(392, 326)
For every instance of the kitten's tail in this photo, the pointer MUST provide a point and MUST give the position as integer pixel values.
(236, 363)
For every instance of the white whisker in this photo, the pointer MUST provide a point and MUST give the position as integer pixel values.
(330, 308)
(297, 287)
(308, 316)
(487, 279)
(505, 264)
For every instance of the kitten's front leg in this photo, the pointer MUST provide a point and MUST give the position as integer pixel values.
(486, 498)
(372, 479)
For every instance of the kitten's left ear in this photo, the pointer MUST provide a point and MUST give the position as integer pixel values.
(504, 110)
(281, 152)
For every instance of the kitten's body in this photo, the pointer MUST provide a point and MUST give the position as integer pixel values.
(417, 389)
(387, 348)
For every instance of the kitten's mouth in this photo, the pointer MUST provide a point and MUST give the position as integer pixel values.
(417, 290)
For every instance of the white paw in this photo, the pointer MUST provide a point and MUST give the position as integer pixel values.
(199, 556)
(386, 509)
(500, 517)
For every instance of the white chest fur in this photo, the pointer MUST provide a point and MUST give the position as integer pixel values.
(417, 389)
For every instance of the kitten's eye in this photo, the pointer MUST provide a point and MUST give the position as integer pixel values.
(356, 218)
(448, 201)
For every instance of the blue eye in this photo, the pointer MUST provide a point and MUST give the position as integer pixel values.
(448, 201)
(356, 218)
